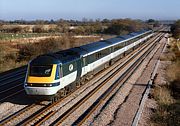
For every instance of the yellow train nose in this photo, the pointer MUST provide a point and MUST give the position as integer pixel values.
(43, 80)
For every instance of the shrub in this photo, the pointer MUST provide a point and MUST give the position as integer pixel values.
(16, 29)
(38, 29)
(31, 50)
(168, 96)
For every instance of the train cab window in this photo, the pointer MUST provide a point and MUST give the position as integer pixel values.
(57, 72)
(43, 71)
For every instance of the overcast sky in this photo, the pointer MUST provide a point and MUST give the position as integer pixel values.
(91, 9)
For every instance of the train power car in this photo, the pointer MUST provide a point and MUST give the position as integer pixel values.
(51, 75)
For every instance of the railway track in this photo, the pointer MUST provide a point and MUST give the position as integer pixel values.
(23, 113)
(12, 77)
(89, 110)
(11, 82)
(121, 108)
(11, 91)
(45, 113)
(12, 88)
(11, 73)
(148, 88)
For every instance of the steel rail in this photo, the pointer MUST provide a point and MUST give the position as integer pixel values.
(15, 115)
(12, 72)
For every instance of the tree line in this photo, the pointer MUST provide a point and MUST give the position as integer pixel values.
(175, 28)
(75, 27)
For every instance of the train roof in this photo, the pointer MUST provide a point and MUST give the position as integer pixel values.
(114, 40)
(125, 36)
(71, 54)
(46, 59)
(134, 34)
(142, 31)
(104, 43)
(94, 46)
(56, 58)
(67, 55)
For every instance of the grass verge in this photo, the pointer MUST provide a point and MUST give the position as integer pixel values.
(168, 95)
(13, 56)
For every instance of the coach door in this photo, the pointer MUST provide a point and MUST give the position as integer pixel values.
(79, 68)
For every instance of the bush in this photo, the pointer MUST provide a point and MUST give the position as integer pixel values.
(2, 53)
(38, 29)
(168, 110)
(176, 29)
(124, 26)
(8, 57)
(16, 29)
(48, 45)
(31, 50)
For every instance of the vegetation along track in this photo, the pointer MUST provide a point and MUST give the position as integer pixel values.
(46, 113)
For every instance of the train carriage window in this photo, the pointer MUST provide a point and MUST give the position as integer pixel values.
(99, 55)
(103, 53)
(119, 46)
(92, 58)
(84, 61)
(136, 39)
(61, 71)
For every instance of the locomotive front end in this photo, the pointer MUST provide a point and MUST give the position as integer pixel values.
(42, 78)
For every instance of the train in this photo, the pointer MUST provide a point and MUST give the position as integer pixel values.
(53, 75)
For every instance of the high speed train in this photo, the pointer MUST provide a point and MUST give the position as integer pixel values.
(60, 72)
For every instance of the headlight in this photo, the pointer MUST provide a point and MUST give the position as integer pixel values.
(42, 85)
(25, 84)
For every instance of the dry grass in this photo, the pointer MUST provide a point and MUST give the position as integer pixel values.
(11, 64)
(164, 100)
(13, 56)
(168, 96)
(8, 57)
(173, 72)
(163, 95)
(168, 57)
(168, 110)
(30, 50)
